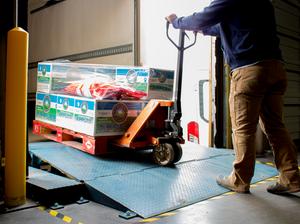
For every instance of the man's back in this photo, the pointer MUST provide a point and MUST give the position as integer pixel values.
(248, 33)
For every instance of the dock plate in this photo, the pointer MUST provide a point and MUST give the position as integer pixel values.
(145, 188)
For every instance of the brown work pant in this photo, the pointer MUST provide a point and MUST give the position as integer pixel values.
(256, 95)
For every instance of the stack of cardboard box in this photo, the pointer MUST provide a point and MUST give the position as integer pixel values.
(92, 116)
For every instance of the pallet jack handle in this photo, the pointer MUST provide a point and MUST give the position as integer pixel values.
(176, 112)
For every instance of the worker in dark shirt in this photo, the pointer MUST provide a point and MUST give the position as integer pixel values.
(247, 30)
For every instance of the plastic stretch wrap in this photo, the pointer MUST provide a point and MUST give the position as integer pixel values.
(100, 81)
(102, 89)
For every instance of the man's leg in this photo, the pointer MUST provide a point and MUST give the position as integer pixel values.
(284, 150)
(244, 102)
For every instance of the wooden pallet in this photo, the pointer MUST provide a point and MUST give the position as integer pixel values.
(90, 144)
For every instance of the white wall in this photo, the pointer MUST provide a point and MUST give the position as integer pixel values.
(157, 51)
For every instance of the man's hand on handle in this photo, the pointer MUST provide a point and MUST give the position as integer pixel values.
(171, 18)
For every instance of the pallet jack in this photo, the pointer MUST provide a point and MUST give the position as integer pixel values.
(158, 125)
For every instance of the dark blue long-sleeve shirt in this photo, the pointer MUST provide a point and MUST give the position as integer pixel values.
(247, 29)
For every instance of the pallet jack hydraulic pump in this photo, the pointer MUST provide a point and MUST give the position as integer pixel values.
(158, 126)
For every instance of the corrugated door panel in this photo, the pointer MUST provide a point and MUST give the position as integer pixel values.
(290, 50)
(288, 26)
(293, 124)
(293, 89)
(291, 112)
(292, 120)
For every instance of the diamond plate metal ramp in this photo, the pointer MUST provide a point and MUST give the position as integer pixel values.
(144, 187)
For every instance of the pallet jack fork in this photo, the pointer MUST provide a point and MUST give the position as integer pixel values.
(158, 125)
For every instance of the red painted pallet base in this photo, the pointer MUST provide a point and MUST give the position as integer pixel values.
(90, 144)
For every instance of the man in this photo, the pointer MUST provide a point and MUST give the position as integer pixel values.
(247, 30)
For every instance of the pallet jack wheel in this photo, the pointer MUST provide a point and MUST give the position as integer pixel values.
(163, 154)
(177, 152)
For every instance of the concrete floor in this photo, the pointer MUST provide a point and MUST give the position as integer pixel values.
(258, 207)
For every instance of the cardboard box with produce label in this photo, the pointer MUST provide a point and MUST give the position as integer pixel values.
(45, 109)
(105, 117)
(65, 109)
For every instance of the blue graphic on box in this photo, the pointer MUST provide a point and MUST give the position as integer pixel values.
(44, 68)
(89, 105)
(66, 102)
(41, 96)
(65, 108)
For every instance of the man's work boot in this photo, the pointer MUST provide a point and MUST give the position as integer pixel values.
(277, 188)
(225, 182)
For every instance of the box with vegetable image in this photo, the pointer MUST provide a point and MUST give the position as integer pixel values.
(97, 117)
(45, 109)
(65, 109)
(105, 117)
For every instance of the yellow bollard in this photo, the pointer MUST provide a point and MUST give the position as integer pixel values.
(16, 117)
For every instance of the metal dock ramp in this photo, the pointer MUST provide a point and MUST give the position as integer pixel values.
(132, 181)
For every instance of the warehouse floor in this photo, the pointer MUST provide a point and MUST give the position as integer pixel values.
(257, 207)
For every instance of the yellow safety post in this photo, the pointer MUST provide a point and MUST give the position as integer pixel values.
(16, 117)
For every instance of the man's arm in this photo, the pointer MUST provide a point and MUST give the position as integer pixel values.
(212, 30)
(213, 14)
